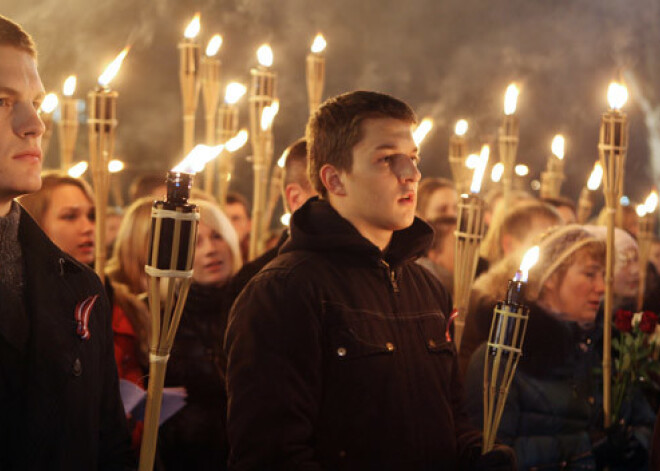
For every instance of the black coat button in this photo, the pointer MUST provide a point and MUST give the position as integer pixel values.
(77, 367)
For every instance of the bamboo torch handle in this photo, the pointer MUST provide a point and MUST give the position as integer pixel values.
(157, 367)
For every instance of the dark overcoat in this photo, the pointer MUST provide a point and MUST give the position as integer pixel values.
(59, 399)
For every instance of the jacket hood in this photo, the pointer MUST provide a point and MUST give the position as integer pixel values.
(318, 227)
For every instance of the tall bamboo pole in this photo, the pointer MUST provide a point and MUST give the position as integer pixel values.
(315, 73)
(457, 155)
(612, 148)
(262, 94)
(68, 125)
(102, 122)
(210, 80)
(189, 54)
(508, 141)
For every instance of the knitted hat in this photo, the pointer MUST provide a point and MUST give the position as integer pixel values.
(556, 246)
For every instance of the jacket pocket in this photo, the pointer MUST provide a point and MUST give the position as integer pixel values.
(431, 330)
(347, 343)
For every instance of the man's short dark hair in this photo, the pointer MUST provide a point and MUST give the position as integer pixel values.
(335, 128)
(295, 165)
(11, 34)
(144, 185)
(427, 187)
(234, 197)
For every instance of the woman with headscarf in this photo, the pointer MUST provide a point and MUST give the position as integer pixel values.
(553, 414)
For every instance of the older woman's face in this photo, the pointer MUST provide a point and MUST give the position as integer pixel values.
(576, 297)
(213, 258)
(626, 273)
(69, 222)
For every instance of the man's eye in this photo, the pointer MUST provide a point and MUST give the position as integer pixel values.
(4, 101)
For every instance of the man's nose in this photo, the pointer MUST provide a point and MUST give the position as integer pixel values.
(27, 122)
(406, 169)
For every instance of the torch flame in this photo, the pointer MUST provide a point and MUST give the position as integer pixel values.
(238, 141)
(422, 130)
(115, 166)
(197, 158)
(285, 219)
(521, 170)
(111, 71)
(282, 160)
(617, 95)
(265, 55)
(479, 171)
(641, 210)
(511, 99)
(472, 161)
(77, 170)
(529, 260)
(192, 30)
(49, 103)
(558, 146)
(461, 127)
(268, 115)
(651, 202)
(234, 92)
(596, 177)
(214, 45)
(496, 172)
(318, 46)
(69, 87)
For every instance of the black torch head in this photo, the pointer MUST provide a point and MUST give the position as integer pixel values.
(178, 187)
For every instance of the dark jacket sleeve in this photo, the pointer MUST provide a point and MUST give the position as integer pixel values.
(274, 371)
(114, 439)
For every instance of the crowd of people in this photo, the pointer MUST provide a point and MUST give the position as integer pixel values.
(333, 349)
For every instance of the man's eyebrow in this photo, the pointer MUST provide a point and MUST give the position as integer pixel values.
(14, 93)
(393, 146)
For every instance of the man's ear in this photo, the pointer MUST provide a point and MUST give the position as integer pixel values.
(293, 195)
(332, 180)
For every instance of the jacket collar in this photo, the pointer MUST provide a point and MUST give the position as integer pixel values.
(38, 248)
(318, 227)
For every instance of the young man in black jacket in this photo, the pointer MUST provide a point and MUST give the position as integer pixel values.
(337, 350)
(59, 395)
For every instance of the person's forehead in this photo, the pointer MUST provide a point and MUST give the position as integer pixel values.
(380, 131)
(18, 71)
(235, 209)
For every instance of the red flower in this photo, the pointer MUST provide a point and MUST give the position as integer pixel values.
(648, 322)
(623, 320)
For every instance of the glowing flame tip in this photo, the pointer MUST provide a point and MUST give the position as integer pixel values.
(511, 99)
(461, 127)
(617, 95)
(479, 171)
(69, 87)
(111, 71)
(192, 30)
(530, 259)
(115, 166)
(422, 130)
(49, 104)
(595, 178)
(558, 144)
(651, 202)
(237, 141)
(496, 172)
(318, 46)
(234, 92)
(214, 45)
(265, 55)
(197, 158)
(77, 170)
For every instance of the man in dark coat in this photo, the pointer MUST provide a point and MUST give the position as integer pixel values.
(337, 355)
(59, 397)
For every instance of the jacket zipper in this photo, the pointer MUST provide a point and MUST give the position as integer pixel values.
(392, 276)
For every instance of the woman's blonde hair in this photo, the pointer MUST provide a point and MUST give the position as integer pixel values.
(211, 215)
(37, 203)
(130, 253)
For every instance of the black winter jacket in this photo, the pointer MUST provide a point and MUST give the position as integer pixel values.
(195, 437)
(59, 396)
(337, 357)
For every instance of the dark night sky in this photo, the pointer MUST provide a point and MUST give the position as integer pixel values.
(448, 59)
